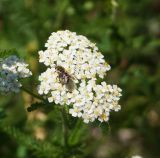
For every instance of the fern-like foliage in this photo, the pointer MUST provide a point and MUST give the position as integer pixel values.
(2, 113)
(38, 105)
(37, 147)
(35, 106)
(9, 52)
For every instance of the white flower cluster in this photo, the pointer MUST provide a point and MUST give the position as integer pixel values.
(82, 60)
(11, 70)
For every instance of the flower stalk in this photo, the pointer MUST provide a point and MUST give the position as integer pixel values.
(33, 94)
(64, 127)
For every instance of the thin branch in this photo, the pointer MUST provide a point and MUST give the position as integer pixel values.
(33, 94)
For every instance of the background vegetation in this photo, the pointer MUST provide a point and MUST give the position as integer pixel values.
(128, 34)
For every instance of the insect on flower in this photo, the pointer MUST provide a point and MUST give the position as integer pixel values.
(65, 78)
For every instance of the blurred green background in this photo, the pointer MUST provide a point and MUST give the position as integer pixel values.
(127, 32)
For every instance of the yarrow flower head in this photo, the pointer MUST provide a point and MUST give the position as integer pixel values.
(73, 61)
(11, 70)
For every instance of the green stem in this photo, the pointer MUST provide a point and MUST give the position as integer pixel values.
(33, 94)
(65, 127)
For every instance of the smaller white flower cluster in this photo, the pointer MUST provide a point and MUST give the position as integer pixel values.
(137, 156)
(82, 60)
(11, 70)
(95, 101)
